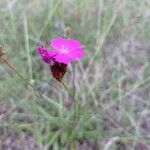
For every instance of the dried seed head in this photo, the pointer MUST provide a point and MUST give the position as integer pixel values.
(1, 51)
(67, 32)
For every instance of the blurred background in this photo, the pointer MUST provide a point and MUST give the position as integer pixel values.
(111, 83)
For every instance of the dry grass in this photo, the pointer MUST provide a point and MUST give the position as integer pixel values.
(112, 82)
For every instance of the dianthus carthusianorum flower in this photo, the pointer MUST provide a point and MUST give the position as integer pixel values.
(63, 52)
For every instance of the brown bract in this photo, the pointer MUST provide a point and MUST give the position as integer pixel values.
(58, 70)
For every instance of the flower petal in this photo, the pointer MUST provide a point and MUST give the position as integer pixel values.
(76, 53)
(46, 55)
(52, 53)
(43, 53)
(73, 44)
(62, 58)
(57, 43)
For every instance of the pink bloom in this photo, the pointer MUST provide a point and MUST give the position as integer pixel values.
(65, 50)
(46, 55)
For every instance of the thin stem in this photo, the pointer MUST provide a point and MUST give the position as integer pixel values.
(64, 85)
(72, 95)
(73, 81)
(25, 80)
(74, 89)
(25, 24)
(12, 68)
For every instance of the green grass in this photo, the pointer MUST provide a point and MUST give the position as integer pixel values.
(112, 81)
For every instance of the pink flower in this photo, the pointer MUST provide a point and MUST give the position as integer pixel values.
(46, 55)
(65, 50)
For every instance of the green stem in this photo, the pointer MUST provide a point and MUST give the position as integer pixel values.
(64, 85)
(72, 95)
(74, 90)
(22, 77)
(12, 68)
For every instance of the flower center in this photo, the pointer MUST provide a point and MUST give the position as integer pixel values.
(64, 49)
